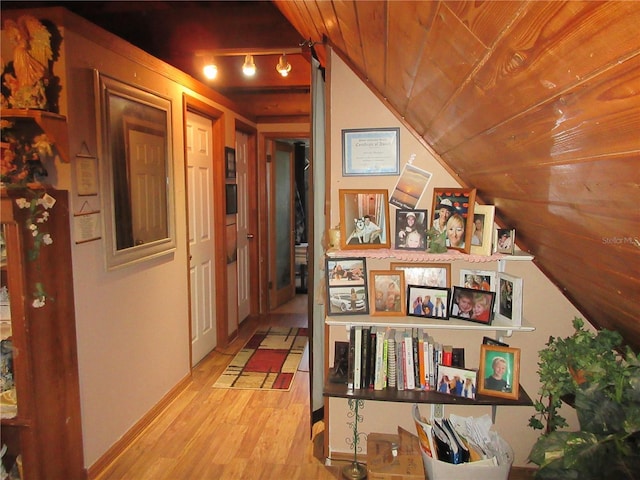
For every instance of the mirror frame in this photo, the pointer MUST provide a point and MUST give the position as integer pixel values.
(111, 143)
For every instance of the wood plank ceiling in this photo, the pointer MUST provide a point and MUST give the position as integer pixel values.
(534, 103)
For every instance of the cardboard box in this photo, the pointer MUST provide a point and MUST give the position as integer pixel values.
(394, 457)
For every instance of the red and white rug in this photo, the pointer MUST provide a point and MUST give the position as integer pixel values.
(268, 361)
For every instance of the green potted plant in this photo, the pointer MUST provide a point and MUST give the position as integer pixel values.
(601, 379)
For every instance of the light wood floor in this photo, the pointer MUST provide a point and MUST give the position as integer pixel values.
(222, 434)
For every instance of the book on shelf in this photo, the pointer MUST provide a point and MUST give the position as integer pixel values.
(457, 357)
(392, 364)
(409, 376)
(447, 355)
(351, 357)
(357, 361)
(422, 372)
(380, 359)
(400, 356)
(372, 356)
(416, 358)
(365, 354)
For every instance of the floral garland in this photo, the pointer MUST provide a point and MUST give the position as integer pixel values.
(39, 207)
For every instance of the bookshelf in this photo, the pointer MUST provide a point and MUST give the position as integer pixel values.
(502, 328)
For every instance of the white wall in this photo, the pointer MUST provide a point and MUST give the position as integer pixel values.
(353, 105)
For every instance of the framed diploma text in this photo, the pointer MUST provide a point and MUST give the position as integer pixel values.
(373, 151)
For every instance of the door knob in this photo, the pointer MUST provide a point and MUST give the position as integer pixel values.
(249, 235)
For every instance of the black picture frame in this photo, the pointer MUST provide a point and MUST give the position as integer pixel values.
(428, 302)
(347, 290)
(466, 304)
(231, 198)
(411, 234)
(230, 162)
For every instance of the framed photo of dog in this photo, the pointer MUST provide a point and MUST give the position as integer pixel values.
(364, 219)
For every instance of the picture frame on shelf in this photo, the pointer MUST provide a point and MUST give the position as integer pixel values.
(387, 292)
(509, 305)
(460, 382)
(453, 214)
(482, 232)
(411, 230)
(410, 187)
(370, 151)
(499, 372)
(425, 274)
(347, 291)
(505, 240)
(493, 341)
(472, 305)
(428, 302)
(230, 162)
(478, 279)
(364, 219)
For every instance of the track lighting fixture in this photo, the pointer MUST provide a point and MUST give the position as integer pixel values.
(283, 67)
(249, 66)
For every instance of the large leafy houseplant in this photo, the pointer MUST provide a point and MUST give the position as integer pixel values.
(601, 379)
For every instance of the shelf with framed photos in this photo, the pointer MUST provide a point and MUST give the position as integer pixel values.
(41, 423)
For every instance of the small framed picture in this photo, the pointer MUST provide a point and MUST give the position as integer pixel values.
(364, 219)
(453, 216)
(482, 231)
(411, 230)
(478, 279)
(509, 291)
(387, 289)
(506, 240)
(457, 381)
(230, 162)
(428, 302)
(425, 274)
(493, 341)
(347, 286)
(472, 305)
(499, 374)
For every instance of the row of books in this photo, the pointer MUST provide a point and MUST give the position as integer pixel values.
(403, 359)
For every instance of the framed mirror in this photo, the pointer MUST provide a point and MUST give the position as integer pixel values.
(134, 130)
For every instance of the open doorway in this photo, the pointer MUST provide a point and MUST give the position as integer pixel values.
(288, 226)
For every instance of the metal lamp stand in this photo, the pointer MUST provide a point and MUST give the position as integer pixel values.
(355, 470)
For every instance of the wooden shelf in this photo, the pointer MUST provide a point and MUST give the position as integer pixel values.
(54, 125)
(339, 390)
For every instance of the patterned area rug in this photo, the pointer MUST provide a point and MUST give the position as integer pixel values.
(268, 361)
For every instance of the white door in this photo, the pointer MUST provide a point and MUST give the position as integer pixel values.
(201, 236)
(242, 174)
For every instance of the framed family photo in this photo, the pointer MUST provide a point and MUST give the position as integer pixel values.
(453, 216)
(482, 231)
(371, 151)
(411, 230)
(499, 373)
(457, 381)
(364, 219)
(472, 305)
(387, 291)
(347, 286)
(506, 240)
(478, 279)
(509, 291)
(425, 274)
(428, 302)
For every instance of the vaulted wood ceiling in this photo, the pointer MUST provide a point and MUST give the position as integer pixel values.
(536, 104)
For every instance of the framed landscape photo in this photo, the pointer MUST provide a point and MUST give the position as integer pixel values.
(472, 305)
(387, 293)
(478, 279)
(364, 219)
(499, 373)
(428, 302)
(506, 240)
(347, 286)
(371, 151)
(411, 230)
(509, 291)
(457, 381)
(425, 274)
(453, 214)
(482, 231)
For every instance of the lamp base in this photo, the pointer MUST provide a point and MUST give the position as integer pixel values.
(355, 471)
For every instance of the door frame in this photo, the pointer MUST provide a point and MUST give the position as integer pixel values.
(190, 104)
(264, 217)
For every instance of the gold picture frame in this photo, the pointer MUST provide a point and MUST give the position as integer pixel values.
(499, 373)
(387, 293)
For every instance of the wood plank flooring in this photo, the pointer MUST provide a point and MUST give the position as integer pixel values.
(222, 434)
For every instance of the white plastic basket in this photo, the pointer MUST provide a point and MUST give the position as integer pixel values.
(439, 470)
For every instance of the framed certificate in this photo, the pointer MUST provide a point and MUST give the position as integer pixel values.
(374, 151)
